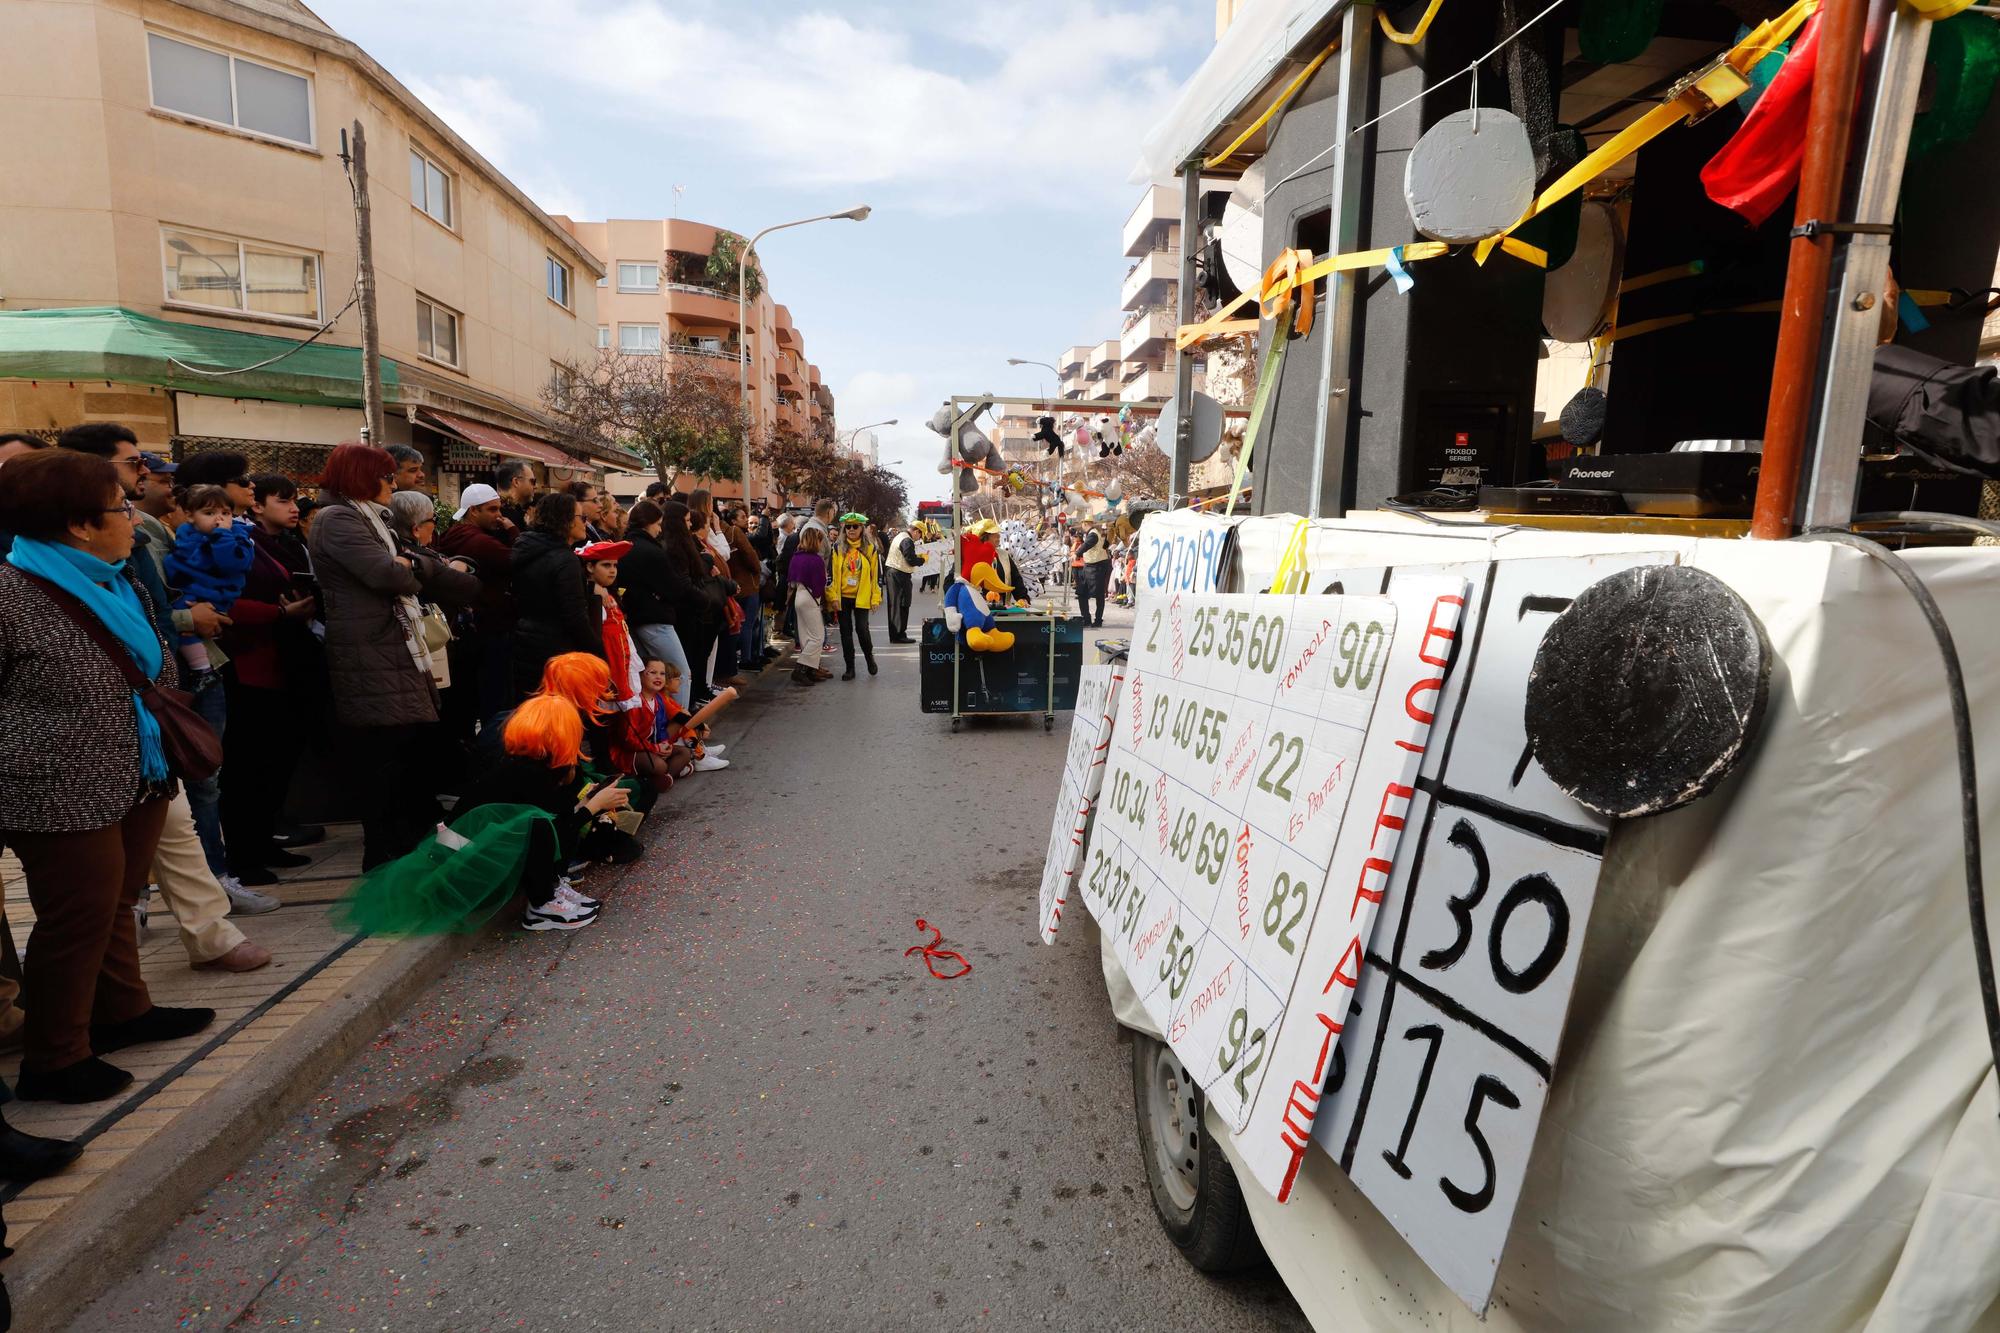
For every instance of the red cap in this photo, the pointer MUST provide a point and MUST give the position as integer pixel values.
(603, 551)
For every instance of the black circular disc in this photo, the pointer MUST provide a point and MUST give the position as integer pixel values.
(1647, 690)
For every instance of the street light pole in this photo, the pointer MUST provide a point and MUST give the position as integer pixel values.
(857, 214)
(855, 434)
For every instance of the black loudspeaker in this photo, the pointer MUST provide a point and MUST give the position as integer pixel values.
(1443, 375)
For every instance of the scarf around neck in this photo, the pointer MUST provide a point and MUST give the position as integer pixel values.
(102, 588)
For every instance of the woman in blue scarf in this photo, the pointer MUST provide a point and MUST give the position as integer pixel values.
(83, 779)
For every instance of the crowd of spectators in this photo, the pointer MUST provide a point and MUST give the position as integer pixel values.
(531, 662)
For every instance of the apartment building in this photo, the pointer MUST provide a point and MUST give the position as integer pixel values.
(1138, 365)
(665, 292)
(1150, 297)
(178, 246)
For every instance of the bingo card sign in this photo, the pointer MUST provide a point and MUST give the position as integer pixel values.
(1082, 777)
(1258, 781)
(1183, 557)
(1438, 1082)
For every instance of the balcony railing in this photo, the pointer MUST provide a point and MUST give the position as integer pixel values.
(1170, 251)
(700, 289)
(1132, 320)
(724, 353)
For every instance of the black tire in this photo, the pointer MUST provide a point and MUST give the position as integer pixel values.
(1214, 1232)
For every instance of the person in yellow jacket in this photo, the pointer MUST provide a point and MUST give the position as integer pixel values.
(854, 588)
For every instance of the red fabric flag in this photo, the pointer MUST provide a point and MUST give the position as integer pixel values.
(1759, 167)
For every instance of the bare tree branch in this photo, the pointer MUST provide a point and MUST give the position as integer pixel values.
(679, 411)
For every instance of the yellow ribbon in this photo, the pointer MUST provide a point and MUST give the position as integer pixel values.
(1272, 109)
(1416, 34)
(1292, 271)
(1294, 558)
(1700, 97)
(1936, 10)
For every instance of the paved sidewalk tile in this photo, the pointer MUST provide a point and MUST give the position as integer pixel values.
(313, 961)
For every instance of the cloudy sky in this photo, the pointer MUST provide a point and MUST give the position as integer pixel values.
(992, 137)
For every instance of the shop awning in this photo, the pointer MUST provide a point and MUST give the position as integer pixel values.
(123, 346)
(494, 440)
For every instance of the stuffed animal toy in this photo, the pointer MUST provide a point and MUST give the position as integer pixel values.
(1045, 435)
(966, 611)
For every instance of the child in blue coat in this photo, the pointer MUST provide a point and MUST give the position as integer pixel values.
(209, 562)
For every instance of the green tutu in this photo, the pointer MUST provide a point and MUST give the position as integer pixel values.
(453, 882)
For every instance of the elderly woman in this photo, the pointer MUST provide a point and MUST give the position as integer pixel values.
(385, 698)
(84, 782)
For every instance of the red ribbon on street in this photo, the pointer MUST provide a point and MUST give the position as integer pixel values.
(932, 954)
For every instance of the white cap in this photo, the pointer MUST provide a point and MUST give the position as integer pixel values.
(473, 496)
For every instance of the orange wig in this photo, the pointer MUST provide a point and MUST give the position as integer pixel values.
(578, 679)
(545, 728)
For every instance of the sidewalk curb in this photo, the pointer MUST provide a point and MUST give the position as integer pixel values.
(58, 1270)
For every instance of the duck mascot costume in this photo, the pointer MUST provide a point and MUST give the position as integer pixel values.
(966, 611)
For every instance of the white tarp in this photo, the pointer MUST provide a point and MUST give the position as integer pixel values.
(1775, 1106)
(1261, 35)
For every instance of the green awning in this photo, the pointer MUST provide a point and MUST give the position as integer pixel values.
(112, 343)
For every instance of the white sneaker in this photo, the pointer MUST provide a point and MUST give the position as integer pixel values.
(556, 914)
(715, 750)
(708, 763)
(246, 901)
(569, 893)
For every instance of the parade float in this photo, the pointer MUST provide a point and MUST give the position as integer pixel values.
(1538, 861)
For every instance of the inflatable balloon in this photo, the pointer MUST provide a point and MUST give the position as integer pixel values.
(1115, 491)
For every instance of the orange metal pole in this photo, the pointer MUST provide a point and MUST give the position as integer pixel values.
(1829, 133)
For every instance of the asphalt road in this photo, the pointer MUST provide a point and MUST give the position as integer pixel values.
(734, 1103)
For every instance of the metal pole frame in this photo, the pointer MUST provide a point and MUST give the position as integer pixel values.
(1334, 426)
(963, 409)
(1889, 105)
(1183, 461)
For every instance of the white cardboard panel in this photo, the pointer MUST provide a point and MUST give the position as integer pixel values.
(1082, 777)
(1505, 867)
(1248, 722)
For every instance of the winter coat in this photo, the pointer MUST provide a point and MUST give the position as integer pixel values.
(210, 566)
(868, 593)
(69, 727)
(743, 566)
(258, 620)
(492, 557)
(376, 682)
(557, 611)
(656, 584)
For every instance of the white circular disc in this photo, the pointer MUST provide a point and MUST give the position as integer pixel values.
(1464, 183)
(1576, 298)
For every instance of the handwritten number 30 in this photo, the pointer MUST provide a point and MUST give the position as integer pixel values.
(1536, 889)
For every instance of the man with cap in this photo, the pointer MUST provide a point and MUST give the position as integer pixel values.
(901, 565)
(481, 536)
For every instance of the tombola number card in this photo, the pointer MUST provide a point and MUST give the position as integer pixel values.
(1261, 764)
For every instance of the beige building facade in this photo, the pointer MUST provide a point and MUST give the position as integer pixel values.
(173, 186)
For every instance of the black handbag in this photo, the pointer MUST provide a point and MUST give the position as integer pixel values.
(192, 748)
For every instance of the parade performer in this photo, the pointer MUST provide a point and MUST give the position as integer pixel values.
(517, 825)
